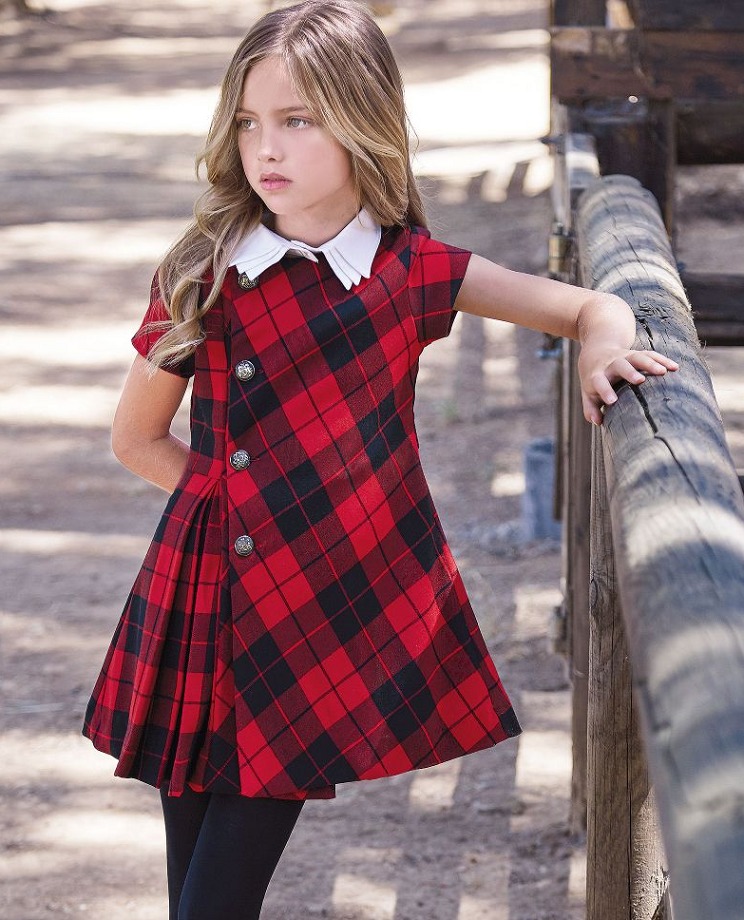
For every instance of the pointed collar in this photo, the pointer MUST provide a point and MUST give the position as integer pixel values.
(350, 254)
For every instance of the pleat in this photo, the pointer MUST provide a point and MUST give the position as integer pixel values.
(151, 703)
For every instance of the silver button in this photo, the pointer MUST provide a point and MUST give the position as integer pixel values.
(244, 545)
(244, 370)
(240, 460)
(247, 283)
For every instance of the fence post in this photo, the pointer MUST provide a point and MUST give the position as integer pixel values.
(625, 875)
(576, 514)
(576, 168)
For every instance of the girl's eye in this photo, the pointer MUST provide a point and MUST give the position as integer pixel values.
(244, 124)
(297, 122)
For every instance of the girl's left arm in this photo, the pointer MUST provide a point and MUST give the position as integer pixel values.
(603, 323)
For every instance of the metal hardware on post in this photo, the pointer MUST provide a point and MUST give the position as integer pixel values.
(559, 251)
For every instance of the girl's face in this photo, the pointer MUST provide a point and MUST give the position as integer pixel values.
(301, 173)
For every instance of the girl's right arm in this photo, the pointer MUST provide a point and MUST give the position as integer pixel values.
(141, 437)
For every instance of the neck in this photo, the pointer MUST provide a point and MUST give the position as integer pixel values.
(311, 229)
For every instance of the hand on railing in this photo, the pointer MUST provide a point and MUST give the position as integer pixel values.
(601, 365)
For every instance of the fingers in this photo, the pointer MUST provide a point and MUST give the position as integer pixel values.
(592, 409)
(632, 368)
(651, 362)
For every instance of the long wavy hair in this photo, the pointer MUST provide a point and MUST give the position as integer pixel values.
(343, 69)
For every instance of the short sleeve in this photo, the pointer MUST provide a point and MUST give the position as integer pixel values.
(435, 278)
(149, 332)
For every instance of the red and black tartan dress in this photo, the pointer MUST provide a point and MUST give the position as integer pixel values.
(299, 620)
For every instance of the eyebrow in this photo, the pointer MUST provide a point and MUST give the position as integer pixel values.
(300, 107)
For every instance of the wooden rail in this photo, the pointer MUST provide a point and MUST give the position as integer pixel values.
(677, 523)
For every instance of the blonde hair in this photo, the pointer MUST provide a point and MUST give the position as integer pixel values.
(342, 67)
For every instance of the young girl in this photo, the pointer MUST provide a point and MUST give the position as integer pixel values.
(298, 620)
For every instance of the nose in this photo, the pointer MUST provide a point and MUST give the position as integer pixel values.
(268, 146)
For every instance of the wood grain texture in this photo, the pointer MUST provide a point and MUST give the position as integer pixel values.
(626, 874)
(677, 516)
(637, 139)
(576, 518)
(649, 883)
(702, 14)
(576, 168)
(600, 63)
(609, 769)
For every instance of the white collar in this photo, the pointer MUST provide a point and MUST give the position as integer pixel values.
(350, 254)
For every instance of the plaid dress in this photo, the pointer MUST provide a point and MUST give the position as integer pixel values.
(298, 620)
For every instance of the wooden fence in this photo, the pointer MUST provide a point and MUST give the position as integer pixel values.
(640, 87)
(668, 519)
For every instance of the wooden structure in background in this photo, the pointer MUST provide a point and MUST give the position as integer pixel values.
(668, 91)
(640, 87)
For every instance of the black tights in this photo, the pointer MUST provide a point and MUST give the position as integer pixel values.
(222, 851)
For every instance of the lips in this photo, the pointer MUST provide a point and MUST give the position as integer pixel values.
(272, 182)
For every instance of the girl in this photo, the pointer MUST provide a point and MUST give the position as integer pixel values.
(298, 620)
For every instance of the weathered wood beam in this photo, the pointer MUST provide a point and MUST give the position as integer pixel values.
(703, 133)
(576, 516)
(717, 306)
(576, 167)
(636, 139)
(677, 515)
(702, 14)
(625, 874)
(618, 63)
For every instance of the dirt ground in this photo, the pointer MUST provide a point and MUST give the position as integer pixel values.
(102, 108)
